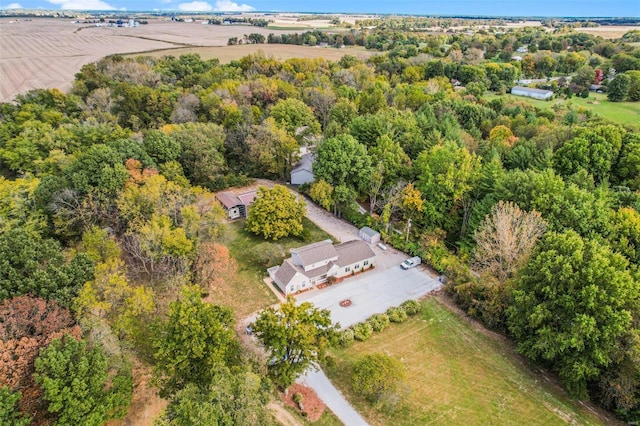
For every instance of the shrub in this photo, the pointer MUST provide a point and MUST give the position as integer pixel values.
(362, 331)
(397, 315)
(379, 378)
(411, 307)
(378, 322)
(329, 361)
(297, 397)
(346, 337)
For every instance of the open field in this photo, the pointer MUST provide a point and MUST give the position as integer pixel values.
(227, 54)
(459, 374)
(47, 53)
(609, 31)
(618, 112)
(248, 293)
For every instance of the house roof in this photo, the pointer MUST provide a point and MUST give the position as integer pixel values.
(230, 200)
(531, 90)
(352, 252)
(368, 231)
(305, 163)
(286, 272)
(316, 252)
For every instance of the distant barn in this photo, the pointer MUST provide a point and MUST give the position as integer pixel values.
(531, 93)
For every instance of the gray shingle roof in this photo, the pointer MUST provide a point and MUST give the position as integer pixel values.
(368, 231)
(316, 252)
(352, 252)
(305, 163)
(286, 272)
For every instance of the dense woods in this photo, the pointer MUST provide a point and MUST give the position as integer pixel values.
(110, 233)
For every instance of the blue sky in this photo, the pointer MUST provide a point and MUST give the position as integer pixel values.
(618, 8)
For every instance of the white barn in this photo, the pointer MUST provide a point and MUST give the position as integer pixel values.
(531, 92)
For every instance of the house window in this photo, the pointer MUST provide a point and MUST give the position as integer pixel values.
(291, 289)
(366, 262)
(304, 284)
(322, 277)
(357, 266)
(347, 269)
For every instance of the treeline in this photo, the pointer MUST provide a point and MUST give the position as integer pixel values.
(107, 221)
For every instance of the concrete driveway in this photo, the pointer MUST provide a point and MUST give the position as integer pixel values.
(372, 292)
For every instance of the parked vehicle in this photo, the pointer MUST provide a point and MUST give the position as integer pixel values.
(411, 263)
(382, 246)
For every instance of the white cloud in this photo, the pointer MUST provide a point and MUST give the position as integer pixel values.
(82, 4)
(229, 6)
(12, 6)
(220, 6)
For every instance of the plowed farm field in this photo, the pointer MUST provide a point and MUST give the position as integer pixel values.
(47, 53)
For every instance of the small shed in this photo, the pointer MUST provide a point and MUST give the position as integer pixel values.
(531, 92)
(369, 235)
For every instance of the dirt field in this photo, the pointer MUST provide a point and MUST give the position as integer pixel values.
(227, 54)
(609, 31)
(47, 53)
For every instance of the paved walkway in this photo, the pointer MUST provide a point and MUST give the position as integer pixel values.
(319, 382)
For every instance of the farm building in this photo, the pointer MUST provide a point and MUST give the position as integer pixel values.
(531, 93)
(236, 205)
(302, 172)
(369, 235)
(314, 264)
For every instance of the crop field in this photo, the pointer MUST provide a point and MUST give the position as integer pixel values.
(47, 53)
(457, 373)
(609, 31)
(227, 54)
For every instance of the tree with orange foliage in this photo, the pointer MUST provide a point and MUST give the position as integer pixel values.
(214, 265)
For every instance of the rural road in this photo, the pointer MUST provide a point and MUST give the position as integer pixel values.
(319, 382)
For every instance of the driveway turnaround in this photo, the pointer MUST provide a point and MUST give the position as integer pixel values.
(372, 292)
(332, 397)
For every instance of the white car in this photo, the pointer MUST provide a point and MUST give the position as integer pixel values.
(411, 263)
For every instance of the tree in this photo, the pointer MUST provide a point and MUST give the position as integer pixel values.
(379, 378)
(31, 264)
(343, 161)
(571, 305)
(506, 238)
(295, 337)
(296, 118)
(618, 89)
(272, 149)
(412, 204)
(214, 265)
(322, 193)
(276, 213)
(77, 385)
(195, 340)
(28, 324)
(9, 414)
(232, 399)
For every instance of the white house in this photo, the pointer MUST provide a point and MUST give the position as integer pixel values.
(531, 93)
(236, 206)
(303, 171)
(314, 264)
(369, 235)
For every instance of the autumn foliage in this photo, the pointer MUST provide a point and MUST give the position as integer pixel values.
(28, 324)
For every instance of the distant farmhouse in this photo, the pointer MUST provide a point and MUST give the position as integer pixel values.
(236, 205)
(302, 172)
(314, 264)
(532, 93)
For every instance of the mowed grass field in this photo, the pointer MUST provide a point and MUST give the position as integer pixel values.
(459, 375)
(618, 112)
(248, 292)
(227, 54)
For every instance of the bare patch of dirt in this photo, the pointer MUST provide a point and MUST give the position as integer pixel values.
(311, 404)
(282, 416)
(146, 405)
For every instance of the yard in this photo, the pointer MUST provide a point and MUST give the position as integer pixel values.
(248, 292)
(458, 374)
(618, 112)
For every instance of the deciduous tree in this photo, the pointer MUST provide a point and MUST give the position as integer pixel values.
(295, 337)
(276, 213)
(379, 378)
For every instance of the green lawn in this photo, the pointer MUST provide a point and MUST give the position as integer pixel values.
(458, 375)
(617, 112)
(249, 293)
